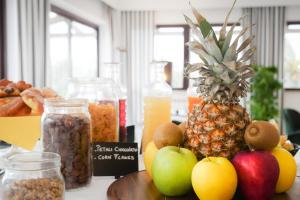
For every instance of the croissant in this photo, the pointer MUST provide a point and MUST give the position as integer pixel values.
(11, 106)
(20, 99)
(33, 98)
(10, 89)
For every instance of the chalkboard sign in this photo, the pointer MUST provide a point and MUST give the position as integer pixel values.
(115, 159)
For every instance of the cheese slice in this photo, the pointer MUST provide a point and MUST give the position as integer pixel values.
(21, 131)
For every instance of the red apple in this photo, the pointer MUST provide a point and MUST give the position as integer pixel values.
(258, 172)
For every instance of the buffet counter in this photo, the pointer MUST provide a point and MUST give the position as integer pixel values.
(96, 190)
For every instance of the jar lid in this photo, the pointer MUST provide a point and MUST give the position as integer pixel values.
(60, 102)
(32, 161)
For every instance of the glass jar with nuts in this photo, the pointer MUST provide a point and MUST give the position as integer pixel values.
(33, 176)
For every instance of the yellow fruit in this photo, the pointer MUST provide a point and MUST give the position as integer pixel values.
(149, 156)
(287, 169)
(214, 178)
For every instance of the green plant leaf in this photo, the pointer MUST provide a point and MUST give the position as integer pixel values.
(264, 101)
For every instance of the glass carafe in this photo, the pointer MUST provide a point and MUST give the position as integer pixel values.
(157, 102)
(192, 96)
(103, 106)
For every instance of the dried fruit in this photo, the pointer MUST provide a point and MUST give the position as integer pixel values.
(104, 122)
(69, 136)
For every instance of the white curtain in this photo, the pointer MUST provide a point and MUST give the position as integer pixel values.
(27, 40)
(106, 37)
(269, 34)
(269, 27)
(136, 45)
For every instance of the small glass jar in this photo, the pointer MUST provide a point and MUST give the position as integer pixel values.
(33, 176)
(112, 72)
(103, 106)
(66, 128)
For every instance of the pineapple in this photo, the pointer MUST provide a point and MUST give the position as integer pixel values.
(216, 127)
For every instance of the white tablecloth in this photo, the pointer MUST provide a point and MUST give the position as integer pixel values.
(95, 191)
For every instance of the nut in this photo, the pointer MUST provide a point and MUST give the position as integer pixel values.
(35, 189)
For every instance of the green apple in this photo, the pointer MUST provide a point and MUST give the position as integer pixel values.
(172, 169)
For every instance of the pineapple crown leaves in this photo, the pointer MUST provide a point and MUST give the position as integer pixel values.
(223, 76)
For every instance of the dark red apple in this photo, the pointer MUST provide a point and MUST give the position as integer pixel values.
(258, 172)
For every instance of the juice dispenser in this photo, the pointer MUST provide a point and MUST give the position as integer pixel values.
(157, 102)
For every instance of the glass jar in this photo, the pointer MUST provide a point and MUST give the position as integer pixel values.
(33, 176)
(193, 96)
(112, 71)
(66, 128)
(157, 102)
(103, 106)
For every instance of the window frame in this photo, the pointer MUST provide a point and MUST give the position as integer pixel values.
(76, 18)
(186, 35)
(290, 31)
(2, 38)
(187, 38)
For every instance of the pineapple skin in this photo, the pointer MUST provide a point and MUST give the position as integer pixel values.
(215, 129)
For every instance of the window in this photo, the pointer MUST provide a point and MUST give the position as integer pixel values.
(169, 45)
(292, 56)
(73, 48)
(194, 58)
(2, 39)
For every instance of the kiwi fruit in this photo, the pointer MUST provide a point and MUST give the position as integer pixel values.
(262, 135)
(168, 134)
(182, 126)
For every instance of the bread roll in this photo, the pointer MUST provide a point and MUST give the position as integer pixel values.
(11, 106)
(33, 98)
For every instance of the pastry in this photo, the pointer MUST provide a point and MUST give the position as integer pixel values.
(48, 93)
(4, 82)
(33, 98)
(20, 99)
(11, 106)
(10, 89)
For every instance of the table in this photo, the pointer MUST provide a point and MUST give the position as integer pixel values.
(139, 185)
(99, 185)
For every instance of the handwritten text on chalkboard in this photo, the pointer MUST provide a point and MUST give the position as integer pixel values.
(115, 159)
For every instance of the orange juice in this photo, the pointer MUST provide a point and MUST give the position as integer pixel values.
(192, 101)
(157, 110)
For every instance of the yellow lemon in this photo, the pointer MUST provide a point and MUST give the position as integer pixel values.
(287, 169)
(149, 156)
(214, 178)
